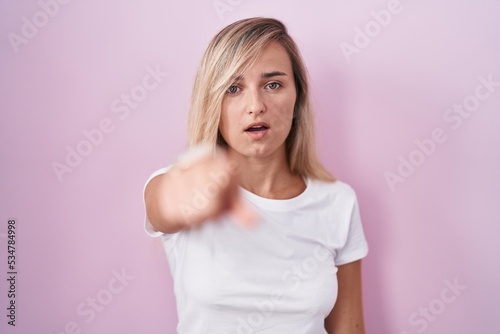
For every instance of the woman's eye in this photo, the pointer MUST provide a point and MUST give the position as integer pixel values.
(273, 85)
(233, 89)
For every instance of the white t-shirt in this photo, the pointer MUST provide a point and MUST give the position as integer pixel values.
(279, 277)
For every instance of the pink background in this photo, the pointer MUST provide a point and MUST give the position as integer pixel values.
(440, 224)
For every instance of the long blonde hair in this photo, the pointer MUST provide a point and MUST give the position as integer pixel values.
(234, 49)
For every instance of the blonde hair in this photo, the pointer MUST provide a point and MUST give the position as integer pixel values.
(234, 49)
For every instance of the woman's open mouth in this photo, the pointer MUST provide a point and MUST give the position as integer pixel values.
(257, 130)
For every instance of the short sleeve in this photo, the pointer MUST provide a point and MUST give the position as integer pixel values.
(150, 230)
(356, 246)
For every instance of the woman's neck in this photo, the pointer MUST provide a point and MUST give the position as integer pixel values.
(269, 177)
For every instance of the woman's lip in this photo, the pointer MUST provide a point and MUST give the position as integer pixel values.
(257, 134)
(263, 124)
(257, 128)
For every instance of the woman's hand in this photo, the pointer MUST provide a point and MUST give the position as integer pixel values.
(195, 190)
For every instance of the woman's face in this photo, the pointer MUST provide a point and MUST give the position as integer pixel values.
(257, 109)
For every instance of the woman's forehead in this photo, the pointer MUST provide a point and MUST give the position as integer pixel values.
(273, 60)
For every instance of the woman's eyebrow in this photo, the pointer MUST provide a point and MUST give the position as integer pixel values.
(265, 75)
(237, 78)
(273, 74)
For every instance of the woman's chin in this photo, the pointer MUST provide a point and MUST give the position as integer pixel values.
(260, 152)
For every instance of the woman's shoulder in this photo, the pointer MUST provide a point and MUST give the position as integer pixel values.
(337, 187)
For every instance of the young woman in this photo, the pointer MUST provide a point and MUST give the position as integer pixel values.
(259, 237)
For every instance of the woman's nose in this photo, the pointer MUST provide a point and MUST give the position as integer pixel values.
(255, 103)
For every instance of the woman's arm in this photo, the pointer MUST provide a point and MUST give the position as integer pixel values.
(187, 196)
(162, 206)
(347, 314)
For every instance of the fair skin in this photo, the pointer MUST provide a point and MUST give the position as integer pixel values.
(264, 93)
(264, 96)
